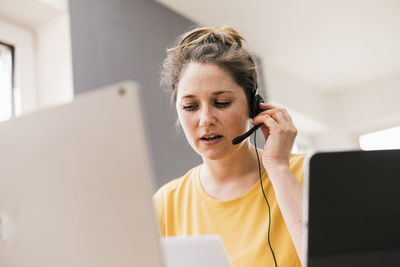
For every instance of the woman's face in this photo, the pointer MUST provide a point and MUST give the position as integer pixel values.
(212, 109)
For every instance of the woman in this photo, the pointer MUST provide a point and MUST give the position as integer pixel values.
(213, 80)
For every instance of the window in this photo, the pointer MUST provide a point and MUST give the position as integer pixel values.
(385, 139)
(6, 81)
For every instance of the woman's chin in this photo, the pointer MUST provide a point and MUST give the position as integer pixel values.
(214, 154)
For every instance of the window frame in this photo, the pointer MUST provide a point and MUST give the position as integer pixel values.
(12, 49)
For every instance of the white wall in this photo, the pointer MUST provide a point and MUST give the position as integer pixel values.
(25, 63)
(371, 107)
(54, 62)
(334, 120)
(306, 105)
(361, 109)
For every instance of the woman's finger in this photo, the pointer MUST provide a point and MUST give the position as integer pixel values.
(271, 108)
(266, 120)
(276, 122)
(265, 106)
(277, 114)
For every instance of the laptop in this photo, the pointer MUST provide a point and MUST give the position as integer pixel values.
(352, 209)
(194, 251)
(76, 187)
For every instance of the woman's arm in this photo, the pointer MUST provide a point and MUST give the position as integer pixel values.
(289, 192)
(280, 133)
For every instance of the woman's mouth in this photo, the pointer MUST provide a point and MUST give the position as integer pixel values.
(211, 139)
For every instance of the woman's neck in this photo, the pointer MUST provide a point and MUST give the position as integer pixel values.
(242, 163)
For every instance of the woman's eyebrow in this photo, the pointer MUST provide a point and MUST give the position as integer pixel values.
(221, 92)
(188, 96)
(214, 93)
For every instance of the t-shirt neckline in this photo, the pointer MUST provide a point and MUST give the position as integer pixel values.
(200, 189)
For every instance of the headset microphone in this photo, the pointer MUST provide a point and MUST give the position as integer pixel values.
(240, 138)
(254, 111)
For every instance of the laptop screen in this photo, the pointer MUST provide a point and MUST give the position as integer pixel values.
(354, 209)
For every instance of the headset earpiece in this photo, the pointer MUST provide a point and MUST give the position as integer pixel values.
(255, 105)
(254, 110)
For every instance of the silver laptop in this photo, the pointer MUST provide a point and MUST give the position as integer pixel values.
(75, 185)
(75, 189)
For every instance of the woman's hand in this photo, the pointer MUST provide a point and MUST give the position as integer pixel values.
(279, 132)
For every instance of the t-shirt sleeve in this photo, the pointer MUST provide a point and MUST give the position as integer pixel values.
(159, 208)
(162, 199)
(296, 165)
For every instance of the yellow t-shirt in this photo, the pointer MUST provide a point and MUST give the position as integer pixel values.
(184, 208)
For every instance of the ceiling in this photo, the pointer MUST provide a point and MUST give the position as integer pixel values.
(332, 45)
(31, 13)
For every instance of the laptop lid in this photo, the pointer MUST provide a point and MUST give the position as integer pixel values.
(353, 203)
(75, 185)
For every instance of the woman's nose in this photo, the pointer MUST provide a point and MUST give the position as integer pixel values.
(207, 119)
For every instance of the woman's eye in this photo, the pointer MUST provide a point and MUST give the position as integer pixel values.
(189, 107)
(222, 104)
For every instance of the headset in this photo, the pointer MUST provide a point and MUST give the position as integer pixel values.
(254, 107)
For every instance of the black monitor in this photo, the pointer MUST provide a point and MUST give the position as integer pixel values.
(353, 209)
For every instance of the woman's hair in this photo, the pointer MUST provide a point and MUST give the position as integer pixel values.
(222, 46)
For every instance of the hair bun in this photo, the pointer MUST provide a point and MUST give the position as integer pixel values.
(226, 35)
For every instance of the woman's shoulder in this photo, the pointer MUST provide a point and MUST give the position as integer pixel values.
(178, 184)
